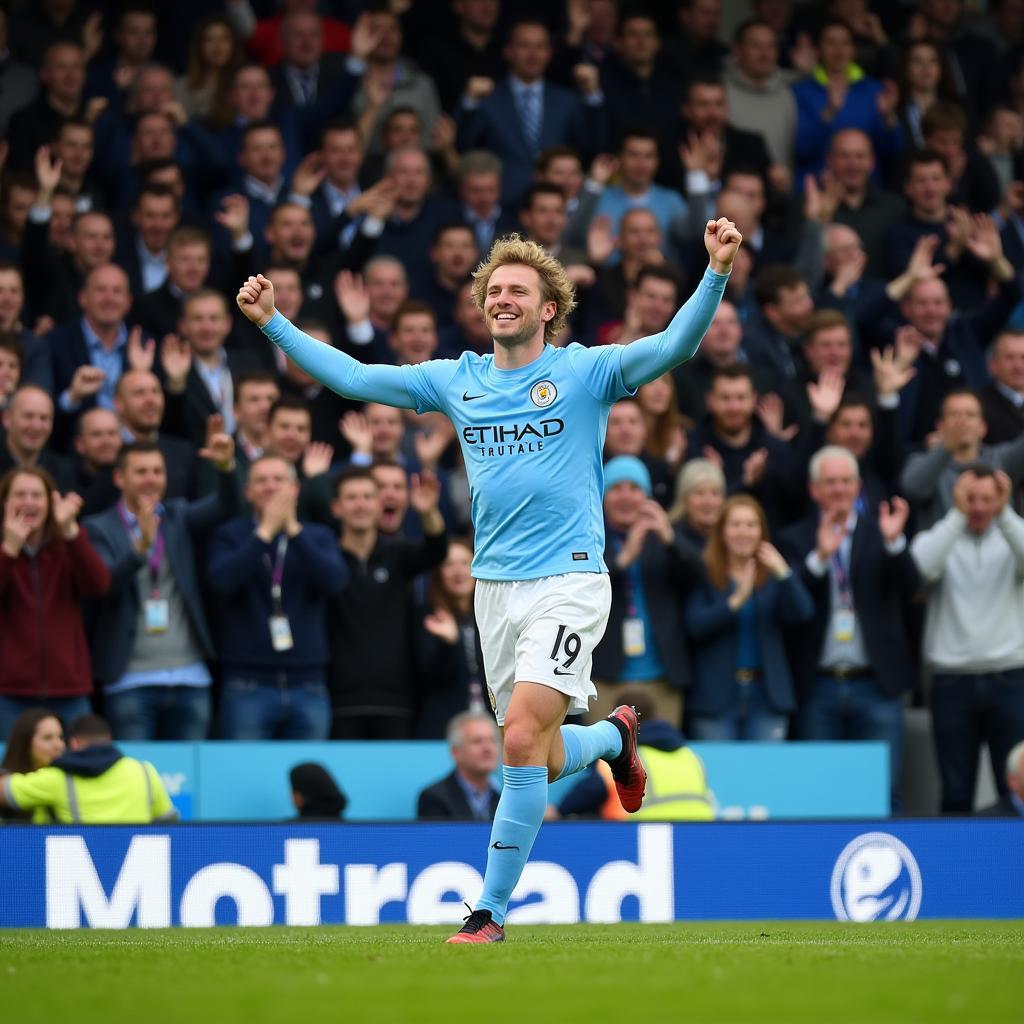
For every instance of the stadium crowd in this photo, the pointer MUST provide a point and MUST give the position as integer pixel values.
(811, 525)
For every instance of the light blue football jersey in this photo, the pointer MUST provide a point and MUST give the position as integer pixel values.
(532, 439)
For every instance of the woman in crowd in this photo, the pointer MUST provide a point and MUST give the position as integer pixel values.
(666, 434)
(213, 57)
(742, 688)
(315, 794)
(47, 567)
(700, 494)
(36, 741)
(925, 79)
(454, 664)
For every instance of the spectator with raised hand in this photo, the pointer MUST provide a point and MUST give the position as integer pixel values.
(635, 188)
(55, 274)
(48, 567)
(651, 570)
(28, 428)
(929, 478)
(151, 639)
(742, 687)
(275, 579)
(373, 679)
(945, 345)
(839, 95)
(91, 353)
(1002, 399)
(524, 113)
(853, 666)
(860, 202)
(369, 302)
(973, 563)
(698, 501)
(134, 36)
(651, 303)
(453, 670)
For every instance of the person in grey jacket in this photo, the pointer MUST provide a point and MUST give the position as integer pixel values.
(929, 477)
(150, 639)
(973, 563)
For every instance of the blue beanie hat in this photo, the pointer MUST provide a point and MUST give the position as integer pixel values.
(626, 469)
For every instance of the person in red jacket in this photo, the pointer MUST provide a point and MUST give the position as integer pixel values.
(47, 567)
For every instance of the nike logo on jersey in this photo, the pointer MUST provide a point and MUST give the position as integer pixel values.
(467, 397)
(501, 846)
(559, 672)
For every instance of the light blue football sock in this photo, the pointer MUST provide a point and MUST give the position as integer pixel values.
(517, 821)
(584, 744)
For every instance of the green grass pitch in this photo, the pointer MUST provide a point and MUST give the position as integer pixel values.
(626, 974)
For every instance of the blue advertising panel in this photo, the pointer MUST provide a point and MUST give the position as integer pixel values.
(199, 876)
(249, 781)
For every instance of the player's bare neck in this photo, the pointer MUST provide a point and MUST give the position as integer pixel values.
(513, 357)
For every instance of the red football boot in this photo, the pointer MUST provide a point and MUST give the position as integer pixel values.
(478, 928)
(627, 769)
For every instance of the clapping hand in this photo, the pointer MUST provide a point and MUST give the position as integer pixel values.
(220, 446)
(754, 466)
(424, 492)
(16, 530)
(352, 297)
(441, 623)
(770, 411)
(831, 531)
(176, 360)
(65, 513)
(140, 354)
(891, 374)
(317, 459)
(892, 518)
(826, 394)
(769, 557)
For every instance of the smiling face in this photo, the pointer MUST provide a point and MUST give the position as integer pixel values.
(513, 307)
(358, 504)
(741, 531)
(28, 498)
(267, 478)
(29, 421)
(455, 574)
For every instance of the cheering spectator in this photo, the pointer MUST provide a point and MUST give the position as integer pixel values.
(929, 478)
(369, 304)
(973, 563)
(372, 678)
(542, 215)
(454, 679)
(925, 79)
(975, 184)
(452, 256)
(854, 664)
(280, 575)
(666, 436)
(36, 740)
(28, 424)
(47, 568)
(839, 95)
(522, 114)
(651, 302)
(134, 42)
(188, 267)
(468, 793)
(214, 56)
(651, 569)
(151, 635)
(700, 495)
(742, 687)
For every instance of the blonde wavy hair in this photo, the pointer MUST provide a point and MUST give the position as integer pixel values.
(554, 285)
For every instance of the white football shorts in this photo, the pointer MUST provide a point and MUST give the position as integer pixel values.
(542, 631)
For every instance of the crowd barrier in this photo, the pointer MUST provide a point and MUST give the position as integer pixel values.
(249, 781)
(204, 875)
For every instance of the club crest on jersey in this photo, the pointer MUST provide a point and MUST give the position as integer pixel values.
(543, 393)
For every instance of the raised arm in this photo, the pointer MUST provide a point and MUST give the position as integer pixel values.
(648, 358)
(338, 370)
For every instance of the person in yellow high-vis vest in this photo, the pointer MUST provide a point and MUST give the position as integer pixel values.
(677, 786)
(92, 784)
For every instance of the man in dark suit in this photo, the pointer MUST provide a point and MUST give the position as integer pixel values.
(468, 793)
(142, 250)
(91, 353)
(525, 113)
(305, 72)
(151, 639)
(1002, 399)
(1011, 805)
(854, 665)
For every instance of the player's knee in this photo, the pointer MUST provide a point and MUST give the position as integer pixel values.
(523, 745)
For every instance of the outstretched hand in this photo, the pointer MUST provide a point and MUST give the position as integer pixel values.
(256, 300)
